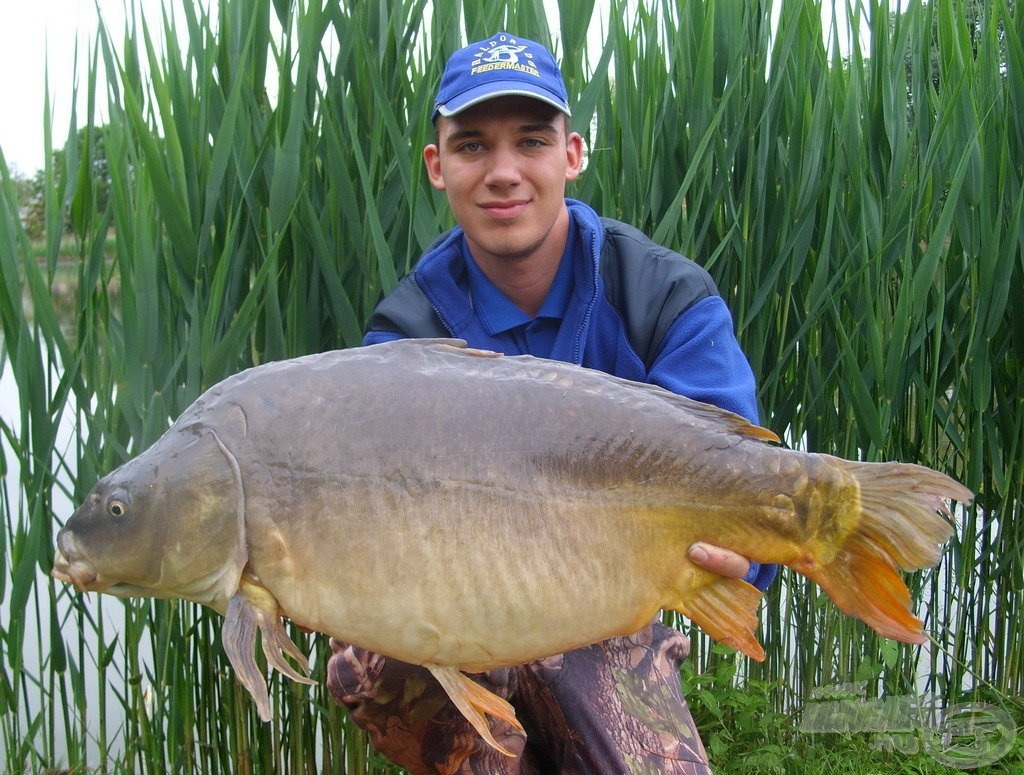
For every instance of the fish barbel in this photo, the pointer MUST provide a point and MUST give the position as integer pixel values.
(464, 511)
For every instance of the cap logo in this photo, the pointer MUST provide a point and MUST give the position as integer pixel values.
(503, 54)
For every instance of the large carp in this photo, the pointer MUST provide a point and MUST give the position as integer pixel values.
(465, 511)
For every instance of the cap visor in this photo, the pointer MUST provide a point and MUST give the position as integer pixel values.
(490, 91)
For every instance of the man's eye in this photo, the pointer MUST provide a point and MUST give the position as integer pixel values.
(471, 147)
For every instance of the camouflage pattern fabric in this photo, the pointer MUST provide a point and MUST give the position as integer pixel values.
(608, 709)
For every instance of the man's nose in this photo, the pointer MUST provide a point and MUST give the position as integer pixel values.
(504, 168)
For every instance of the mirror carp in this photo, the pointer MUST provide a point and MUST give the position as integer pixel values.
(464, 511)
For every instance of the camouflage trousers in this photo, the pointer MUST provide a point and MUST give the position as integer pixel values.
(611, 708)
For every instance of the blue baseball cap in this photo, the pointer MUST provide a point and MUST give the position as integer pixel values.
(501, 65)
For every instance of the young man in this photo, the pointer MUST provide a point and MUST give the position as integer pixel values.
(528, 271)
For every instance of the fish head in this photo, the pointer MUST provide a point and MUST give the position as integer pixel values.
(169, 523)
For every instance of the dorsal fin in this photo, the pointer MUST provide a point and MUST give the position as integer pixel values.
(708, 415)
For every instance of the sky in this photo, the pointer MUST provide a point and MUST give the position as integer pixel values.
(38, 35)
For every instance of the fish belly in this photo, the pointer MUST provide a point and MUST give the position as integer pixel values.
(472, 575)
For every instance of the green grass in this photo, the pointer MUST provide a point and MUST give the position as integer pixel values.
(746, 733)
(862, 214)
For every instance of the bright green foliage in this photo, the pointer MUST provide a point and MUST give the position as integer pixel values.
(861, 212)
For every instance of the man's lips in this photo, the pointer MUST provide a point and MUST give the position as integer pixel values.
(504, 210)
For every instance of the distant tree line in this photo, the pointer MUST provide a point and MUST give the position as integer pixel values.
(96, 180)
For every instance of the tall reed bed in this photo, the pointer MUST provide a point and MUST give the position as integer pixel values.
(860, 206)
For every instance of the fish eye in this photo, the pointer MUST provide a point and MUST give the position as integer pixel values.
(117, 508)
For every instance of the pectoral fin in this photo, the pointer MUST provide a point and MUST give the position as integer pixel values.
(726, 609)
(253, 607)
(476, 703)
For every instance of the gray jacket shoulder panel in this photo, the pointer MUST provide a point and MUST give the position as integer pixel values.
(408, 312)
(649, 284)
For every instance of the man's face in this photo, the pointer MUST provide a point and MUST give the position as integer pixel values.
(504, 164)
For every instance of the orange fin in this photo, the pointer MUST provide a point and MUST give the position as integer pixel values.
(863, 582)
(474, 701)
(904, 520)
(726, 609)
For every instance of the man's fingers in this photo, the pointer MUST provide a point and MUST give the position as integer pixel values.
(719, 560)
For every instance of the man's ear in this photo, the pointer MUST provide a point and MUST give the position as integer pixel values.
(574, 156)
(432, 161)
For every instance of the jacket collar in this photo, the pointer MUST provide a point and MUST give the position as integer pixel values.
(442, 277)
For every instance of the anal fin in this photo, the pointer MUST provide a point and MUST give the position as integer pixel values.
(476, 703)
(726, 609)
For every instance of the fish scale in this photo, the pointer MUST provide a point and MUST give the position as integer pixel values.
(463, 510)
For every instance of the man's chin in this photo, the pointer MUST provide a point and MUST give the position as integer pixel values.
(504, 251)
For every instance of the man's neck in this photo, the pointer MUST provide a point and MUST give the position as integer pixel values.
(526, 281)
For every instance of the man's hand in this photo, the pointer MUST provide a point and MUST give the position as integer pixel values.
(719, 560)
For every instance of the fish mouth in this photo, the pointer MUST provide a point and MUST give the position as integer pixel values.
(83, 575)
(77, 572)
(72, 569)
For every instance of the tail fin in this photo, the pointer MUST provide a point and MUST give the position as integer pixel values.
(903, 523)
